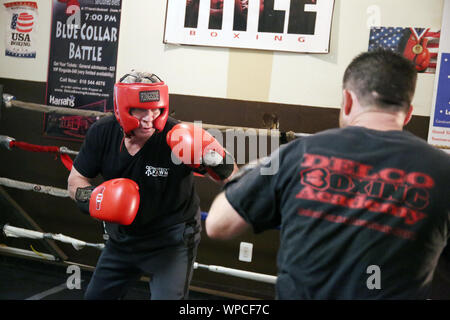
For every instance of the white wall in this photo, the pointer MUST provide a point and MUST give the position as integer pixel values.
(291, 78)
(316, 79)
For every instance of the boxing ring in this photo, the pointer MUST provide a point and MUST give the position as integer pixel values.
(53, 257)
(11, 231)
(64, 153)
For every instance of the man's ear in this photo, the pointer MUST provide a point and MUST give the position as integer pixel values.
(347, 102)
(408, 115)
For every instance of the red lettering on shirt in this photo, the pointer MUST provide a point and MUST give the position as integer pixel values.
(398, 232)
(354, 185)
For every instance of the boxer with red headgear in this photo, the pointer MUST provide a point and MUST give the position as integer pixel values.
(148, 202)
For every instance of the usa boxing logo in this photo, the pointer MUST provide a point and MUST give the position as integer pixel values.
(21, 29)
(23, 24)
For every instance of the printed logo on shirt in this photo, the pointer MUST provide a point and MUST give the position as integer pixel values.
(354, 185)
(156, 172)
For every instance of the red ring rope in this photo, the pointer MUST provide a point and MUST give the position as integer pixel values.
(65, 159)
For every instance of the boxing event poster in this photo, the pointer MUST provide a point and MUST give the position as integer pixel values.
(439, 131)
(82, 63)
(21, 25)
(290, 25)
(420, 45)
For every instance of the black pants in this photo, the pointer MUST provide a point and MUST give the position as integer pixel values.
(170, 268)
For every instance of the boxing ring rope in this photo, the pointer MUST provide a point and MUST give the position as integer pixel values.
(16, 232)
(9, 143)
(238, 273)
(53, 191)
(27, 253)
(57, 192)
(10, 101)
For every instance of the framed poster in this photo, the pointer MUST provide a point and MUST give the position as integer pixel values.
(420, 45)
(278, 25)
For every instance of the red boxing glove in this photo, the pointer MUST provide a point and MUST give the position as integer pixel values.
(423, 59)
(417, 51)
(116, 201)
(198, 149)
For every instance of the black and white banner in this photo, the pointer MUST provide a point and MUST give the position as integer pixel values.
(279, 25)
(82, 63)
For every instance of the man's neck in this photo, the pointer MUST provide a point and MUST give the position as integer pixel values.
(379, 120)
(134, 144)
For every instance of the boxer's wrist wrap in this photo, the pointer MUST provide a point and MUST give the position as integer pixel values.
(82, 197)
(201, 169)
(224, 169)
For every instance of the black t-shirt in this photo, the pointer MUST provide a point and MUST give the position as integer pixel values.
(363, 214)
(166, 188)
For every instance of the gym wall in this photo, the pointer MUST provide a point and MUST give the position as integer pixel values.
(252, 75)
(233, 87)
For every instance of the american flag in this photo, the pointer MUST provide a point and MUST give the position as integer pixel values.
(433, 45)
(396, 38)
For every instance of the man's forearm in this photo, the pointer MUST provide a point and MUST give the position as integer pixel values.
(223, 222)
(76, 181)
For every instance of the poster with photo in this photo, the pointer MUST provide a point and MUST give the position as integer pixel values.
(420, 45)
(439, 131)
(82, 63)
(292, 25)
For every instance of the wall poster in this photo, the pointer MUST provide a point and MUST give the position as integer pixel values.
(279, 25)
(82, 63)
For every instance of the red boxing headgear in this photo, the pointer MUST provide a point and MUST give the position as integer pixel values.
(140, 95)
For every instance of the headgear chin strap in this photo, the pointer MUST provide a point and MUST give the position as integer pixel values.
(140, 95)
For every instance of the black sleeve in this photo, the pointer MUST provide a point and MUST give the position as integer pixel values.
(254, 195)
(88, 160)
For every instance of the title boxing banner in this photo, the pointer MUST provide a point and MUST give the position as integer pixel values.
(82, 63)
(279, 25)
(21, 26)
(439, 131)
